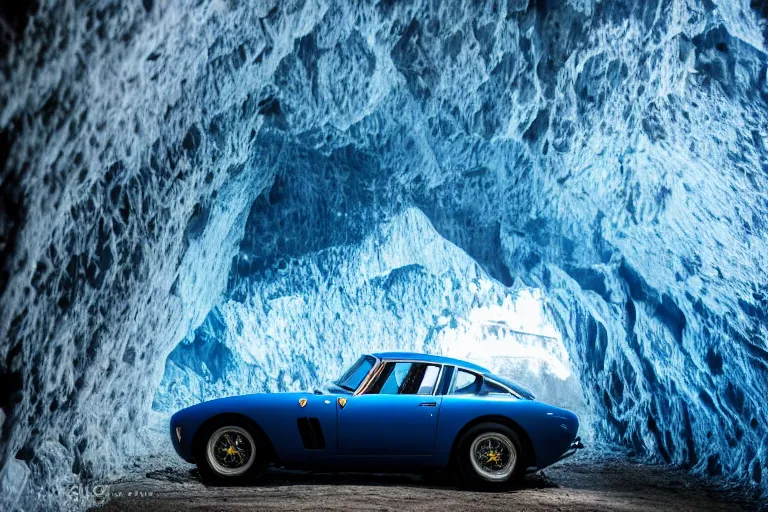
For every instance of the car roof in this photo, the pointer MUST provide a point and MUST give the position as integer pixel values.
(428, 358)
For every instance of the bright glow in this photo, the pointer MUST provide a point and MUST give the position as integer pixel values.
(518, 330)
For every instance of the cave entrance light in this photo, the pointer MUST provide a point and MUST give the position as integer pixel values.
(517, 339)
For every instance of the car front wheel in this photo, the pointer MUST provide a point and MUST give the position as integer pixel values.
(489, 454)
(230, 451)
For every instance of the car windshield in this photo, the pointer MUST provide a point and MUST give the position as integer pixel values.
(352, 378)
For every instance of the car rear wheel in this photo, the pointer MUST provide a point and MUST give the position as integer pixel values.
(490, 454)
(230, 451)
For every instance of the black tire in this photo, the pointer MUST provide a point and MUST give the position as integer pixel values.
(506, 446)
(249, 452)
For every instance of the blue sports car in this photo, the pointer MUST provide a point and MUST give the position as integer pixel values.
(392, 411)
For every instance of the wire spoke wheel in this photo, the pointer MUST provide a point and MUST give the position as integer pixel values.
(493, 456)
(231, 451)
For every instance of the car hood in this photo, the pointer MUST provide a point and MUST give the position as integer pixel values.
(332, 389)
(243, 402)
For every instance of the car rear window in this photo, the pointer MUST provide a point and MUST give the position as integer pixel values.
(466, 383)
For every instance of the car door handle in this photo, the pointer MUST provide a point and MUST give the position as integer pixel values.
(428, 404)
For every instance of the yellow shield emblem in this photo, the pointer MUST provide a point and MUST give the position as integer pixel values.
(342, 402)
(302, 402)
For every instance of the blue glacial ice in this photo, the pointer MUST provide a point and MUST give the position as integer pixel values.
(201, 198)
(403, 288)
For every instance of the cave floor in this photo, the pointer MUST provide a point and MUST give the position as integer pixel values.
(593, 484)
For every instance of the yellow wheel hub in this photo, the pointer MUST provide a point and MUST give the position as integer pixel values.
(494, 457)
(231, 450)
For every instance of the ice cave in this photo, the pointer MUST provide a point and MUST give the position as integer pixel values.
(205, 198)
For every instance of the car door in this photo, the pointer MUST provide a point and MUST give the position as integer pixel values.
(397, 415)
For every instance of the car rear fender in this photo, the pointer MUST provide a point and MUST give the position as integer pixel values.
(529, 452)
(549, 430)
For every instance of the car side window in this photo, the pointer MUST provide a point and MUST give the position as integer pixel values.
(495, 389)
(466, 383)
(405, 379)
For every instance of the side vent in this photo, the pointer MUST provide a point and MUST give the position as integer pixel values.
(311, 433)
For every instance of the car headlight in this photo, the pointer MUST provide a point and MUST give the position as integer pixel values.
(178, 433)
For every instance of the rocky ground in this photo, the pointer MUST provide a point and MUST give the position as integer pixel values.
(611, 483)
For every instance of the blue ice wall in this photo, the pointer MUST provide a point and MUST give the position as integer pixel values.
(299, 323)
(159, 160)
